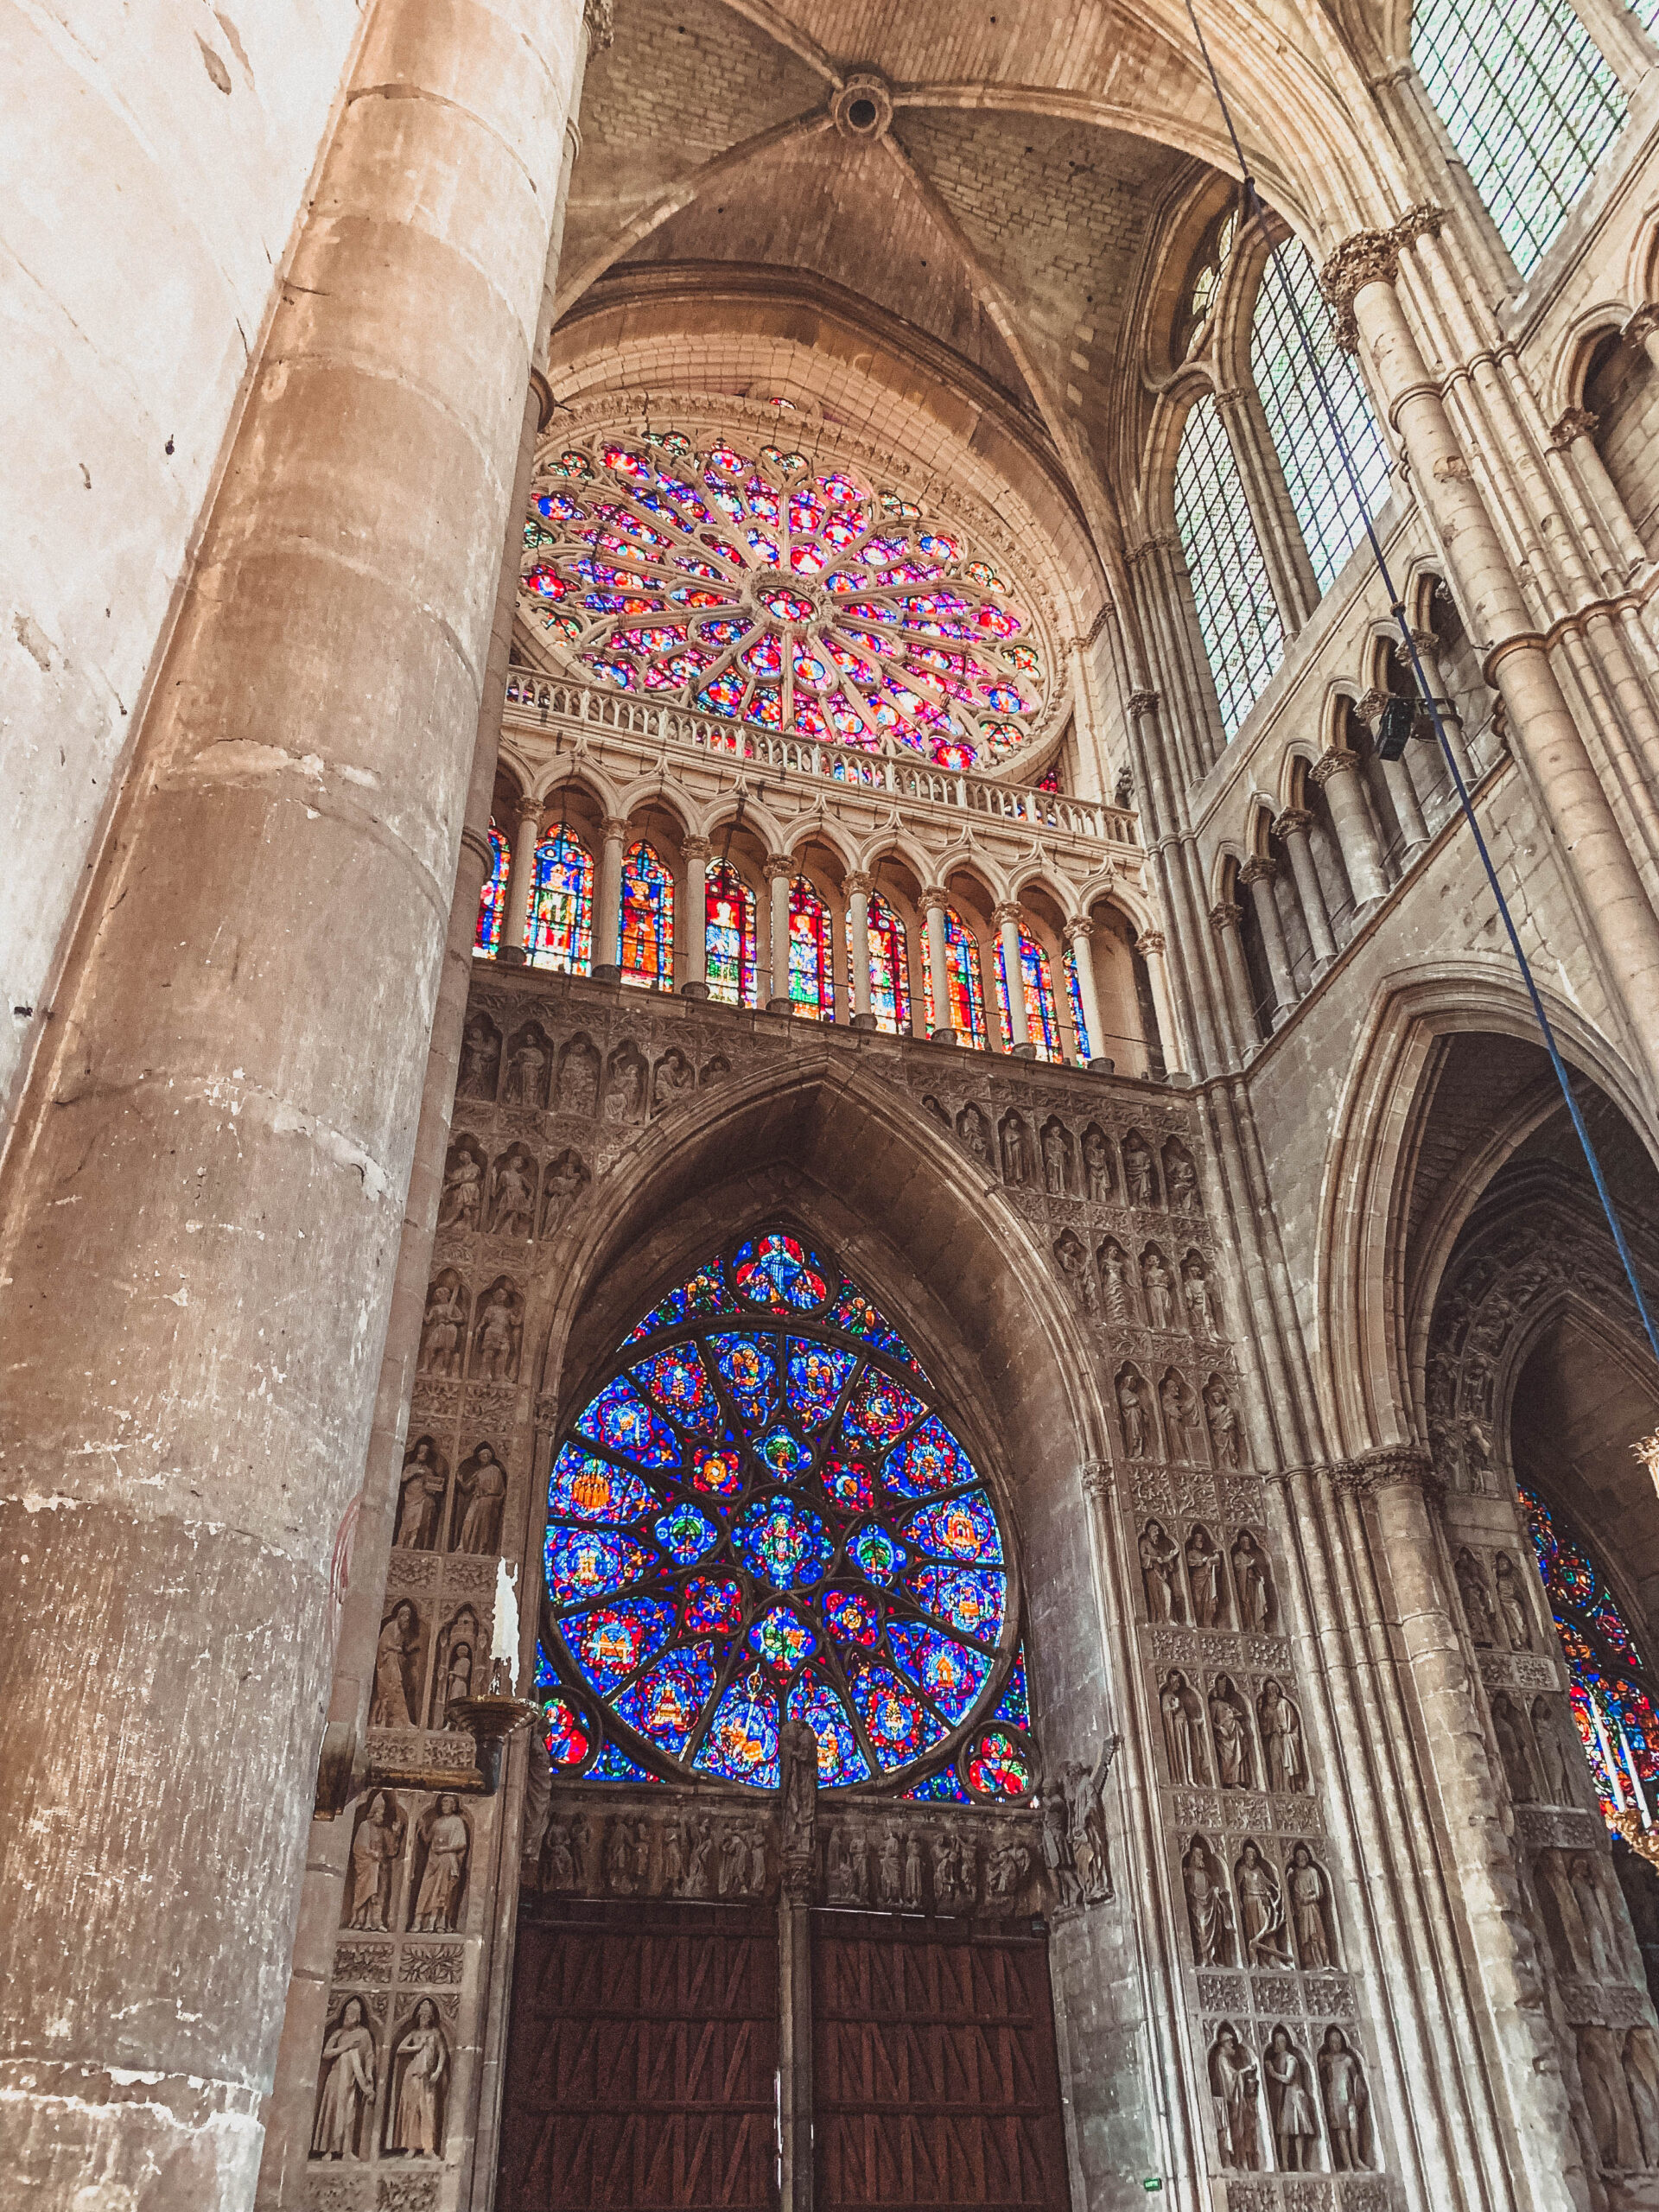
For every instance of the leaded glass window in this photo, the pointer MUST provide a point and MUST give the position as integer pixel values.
(889, 966)
(730, 937)
(1529, 102)
(811, 971)
(1080, 1027)
(1237, 616)
(647, 918)
(561, 933)
(1042, 1016)
(493, 899)
(763, 1512)
(1611, 1688)
(963, 981)
(1317, 483)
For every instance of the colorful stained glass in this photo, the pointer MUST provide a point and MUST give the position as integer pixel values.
(818, 1376)
(999, 1765)
(741, 1745)
(962, 1528)
(684, 1534)
(951, 1674)
(564, 1733)
(493, 899)
(676, 1378)
(778, 1271)
(858, 1317)
(783, 1542)
(850, 1483)
(583, 1564)
(1038, 988)
(704, 1294)
(749, 1369)
(664, 1704)
(1074, 989)
(646, 953)
(962, 984)
(559, 932)
(1014, 1704)
(930, 1460)
(613, 1764)
(876, 1552)
(584, 1487)
(854, 1618)
(841, 1763)
(970, 1598)
(889, 959)
(782, 1453)
(811, 970)
(780, 1640)
(879, 1409)
(899, 1725)
(943, 1787)
(729, 936)
(610, 1642)
(620, 1419)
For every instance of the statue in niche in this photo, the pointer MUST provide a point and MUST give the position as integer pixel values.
(702, 1850)
(1158, 1284)
(1204, 1577)
(674, 1858)
(1007, 1865)
(1223, 1420)
(1581, 1872)
(1208, 1915)
(1161, 1571)
(1115, 1273)
(1552, 1755)
(578, 1084)
(1515, 1749)
(1235, 1760)
(376, 1848)
(932, 1108)
(1180, 1416)
(642, 1855)
(394, 1668)
(625, 1084)
(1569, 1939)
(420, 1497)
(889, 1870)
(347, 2085)
(1074, 1266)
(1642, 2079)
(444, 1328)
(913, 1871)
(1607, 2100)
(1476, 1601)
(1253, 1579)
(1181, 1179)
(448, 1841)
(1199, 1299)
(1261, 1910)
(1057, 1176)
(565, 1854)
(972, 1128)
(953, 1880)
(1236, 2085)
(480, 1058)
(1512, 1603)
(1311, 1917)
(798, 1749)
(1182, 1713)
(565, 1178)
(731, 1877)
(1290, 2100)
(495, 1335)
(1085, 1801)
(1057, 1848)
(463, 1186)
(1132, 1410)
(844, 1872)
(1097, 1167)
(454, 1675)
(513, 1194)
(1282, 1740)
(1347, 2103)
(420, 2074)
(1139, 1182)
(674, 1081)
(619, 1857)
(527, 1064)
(1016, 1150)
(482, 1482)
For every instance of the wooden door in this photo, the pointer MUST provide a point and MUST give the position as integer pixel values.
(642, 2062)
(935, 2070)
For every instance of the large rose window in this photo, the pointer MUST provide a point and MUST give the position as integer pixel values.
(754, 589)
(762, 1513)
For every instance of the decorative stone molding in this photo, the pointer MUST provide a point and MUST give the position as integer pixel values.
(600, 16)
(862, 108)
(1394, 1466)
(1336, 762)
(1143, 703)
(1226, 914)
(1577, 423)
(1099, 1478)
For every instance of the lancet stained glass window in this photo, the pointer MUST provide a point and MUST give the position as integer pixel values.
(1242, 635)
(753, 586)
(1529, 102)
(763, 1510)
(1079, 1023)
(1611, 1692)
(729, 936)
(560, 933)
(647, 918)
(889, 966)
(1042, 1016)
(1331, 523)
(493, 899)
(811, 974)
(963, 978)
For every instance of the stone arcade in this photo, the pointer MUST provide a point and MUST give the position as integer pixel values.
(810, 1396)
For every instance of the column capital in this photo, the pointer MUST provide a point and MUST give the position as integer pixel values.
(695, 848)
(1260, 870)
(1577, 423)
(530, 809)
(1641, 326)
(858, 885)
(1294, 822)
(1226, 914)
(1143, 702)
(936, 895)
(1150, 944)
(775, 865)
(1425, 640)
(1009, 911)
(1372, 258)
(1099, 1479)
(616, 828)
(1079, 930)
(1397, 1466)
(1336, 762)
(1369, 706)
(600, 16)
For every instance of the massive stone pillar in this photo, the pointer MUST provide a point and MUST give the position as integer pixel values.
(202, 1212)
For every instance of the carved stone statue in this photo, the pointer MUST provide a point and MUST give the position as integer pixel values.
(1204, 1577)
(1236, 2085)
(1310, 1909)
(495, 1336)
(463, 1188)
(1161, 1571)
(1055, 1161)
(480, 1058)
(527, 1070)
(1132, 1410)
(1180, 1416)
(913, 1871)
(1254, 1582)
(953, 1878)
(482, 1482)
(1007, 1865)
(1016, 1149)
(1181, 1179)
(673, 1081)
(389, 1706)
(1514, 1748)
(1607, 2098)
(1115, 1273)
(420, 2085)
(1553, 1768)
(890, 1874)
(1057, 1848)
(1086, 1817)
(844, 1870)
(1223, 1420)
(565, 1178)
(1158, 1284)
(1569, 1939)
(578, 1086)
(448, 1844)
(1074, 1265)
(1347, 2103)
(1207, 1912)
(1581, 1872)
(348, 2086)
(798, 1749)
(512, 1195)
(1476, 1601)
(1140, 1181)
(1281, 1739)
(1198, 1299)
(1097, 1167)
(975, 1134)
(1290, 2099)
(419, 1498)
(1642, 2079)
(1235, 1755)
(376, 1848)
(1511, 1603)
(444, 1327)
(1261, 1911)
(1183, 1718)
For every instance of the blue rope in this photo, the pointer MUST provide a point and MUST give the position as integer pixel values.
(1258, 214)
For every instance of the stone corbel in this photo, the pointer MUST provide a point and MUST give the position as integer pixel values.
(344, 1771)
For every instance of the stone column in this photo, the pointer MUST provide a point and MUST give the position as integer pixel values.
(1257, 877)
(1428, 652)
(780, 872)
(1079, 936)
(607, 903)
(858, 907)
(204, 1209)
(1337, 774)
(1150, 946)
(1226, 918)
(935, 899)
(521, 876)
(1292, 830)
(1573, 443)
(694, 934)
(1007, 917)
(1402, 790)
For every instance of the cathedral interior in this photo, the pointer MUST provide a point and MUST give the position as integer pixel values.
(828, 1132)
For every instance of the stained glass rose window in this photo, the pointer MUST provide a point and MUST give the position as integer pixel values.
(764, 1512)
(754, 588)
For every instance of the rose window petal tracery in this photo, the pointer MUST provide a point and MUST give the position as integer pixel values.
(750, 588)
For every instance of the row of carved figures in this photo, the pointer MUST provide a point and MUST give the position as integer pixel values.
(406, 1693)
(1244, 1744)
(1146, 1290)
(1238, 2077)
(482, 1336)
(1497, 1611)
(526, 1069)
(1193, 1581)
(1172, 1421)
(1274, 1923)
(1094, 1167)
(434, 1514)
(414, 2065)
(497, 1197)
(431, 1843)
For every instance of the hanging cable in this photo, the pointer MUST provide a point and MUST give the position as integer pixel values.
(1256, 211)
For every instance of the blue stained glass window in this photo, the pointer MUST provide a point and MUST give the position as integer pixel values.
(729, 936)
(1041, 1018)
(492, 901)
(560, 919)
(647, 920)
(762, 1511)
(1079, 1023)
(811, 970)
(1238, 617)
(967, 993)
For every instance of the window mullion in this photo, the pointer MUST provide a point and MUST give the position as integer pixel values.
(1290, 572)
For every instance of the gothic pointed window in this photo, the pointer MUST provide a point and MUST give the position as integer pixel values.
(889, 966)
(967, 991)
(647, 918)
(560, 933)
(1086, 1045)
(1238, 618)
(1037, 983)
(811, 971)
(491, 904)
(729, 936)
(764, 1510)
